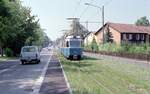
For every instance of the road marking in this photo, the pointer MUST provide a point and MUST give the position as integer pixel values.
(68, 85)
(45, 53)
(10, 68)
(40, 80)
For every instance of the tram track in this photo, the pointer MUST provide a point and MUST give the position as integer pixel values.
(95, 80)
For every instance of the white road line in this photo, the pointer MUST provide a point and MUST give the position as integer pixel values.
(40, 80)
(68, 85)
(10, 68)
(45, 53)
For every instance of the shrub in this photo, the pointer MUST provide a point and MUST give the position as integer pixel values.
(123, 48)
(8, 52)
(94, 45)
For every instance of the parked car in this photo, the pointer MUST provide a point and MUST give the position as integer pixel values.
(29, 54)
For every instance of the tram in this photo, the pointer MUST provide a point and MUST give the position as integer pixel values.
(72, 47)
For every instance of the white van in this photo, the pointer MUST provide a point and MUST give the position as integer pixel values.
(29, 54)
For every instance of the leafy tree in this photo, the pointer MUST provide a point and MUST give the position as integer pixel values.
(4, 10)
(94, 45)
(18, 26)
(108, 36)
(143, 21)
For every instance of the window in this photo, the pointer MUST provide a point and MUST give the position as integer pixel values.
(137, 36)
(124, 37)
(142, 36)
(127, 36)
(29, 49)
(75, 43)
(130, 36)
(67, 44)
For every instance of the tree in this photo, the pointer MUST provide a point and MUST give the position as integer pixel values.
(18, 27)
(108, 36)
(94, 45)
(143, 21)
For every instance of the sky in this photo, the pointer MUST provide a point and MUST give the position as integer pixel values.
(53, 14)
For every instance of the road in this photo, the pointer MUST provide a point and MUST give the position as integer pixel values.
(26, 79)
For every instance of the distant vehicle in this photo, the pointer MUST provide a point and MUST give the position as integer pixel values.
(72, 47)
(29, 54)
(49, 48)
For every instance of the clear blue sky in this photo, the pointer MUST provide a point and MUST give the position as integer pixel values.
(53, 13)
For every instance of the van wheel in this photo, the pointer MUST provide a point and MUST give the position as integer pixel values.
(38, 61)
(22, 62)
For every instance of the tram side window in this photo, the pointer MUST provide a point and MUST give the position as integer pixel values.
(67, 44)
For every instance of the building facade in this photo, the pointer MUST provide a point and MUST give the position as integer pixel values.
(89, 38)
(121, 33)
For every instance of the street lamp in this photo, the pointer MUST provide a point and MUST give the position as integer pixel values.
(101, 8)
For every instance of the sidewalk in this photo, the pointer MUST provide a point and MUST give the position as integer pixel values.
(54, 82)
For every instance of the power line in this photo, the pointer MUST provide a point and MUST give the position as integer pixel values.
(82, 13)
(76, 8)
(105, 4)
(108, 2)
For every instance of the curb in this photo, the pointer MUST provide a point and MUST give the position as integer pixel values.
(68, 85)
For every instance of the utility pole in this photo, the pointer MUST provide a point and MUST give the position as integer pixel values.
(87, 24)
(103, 23)
(101, 9)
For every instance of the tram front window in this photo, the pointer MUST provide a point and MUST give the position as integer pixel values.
(75, 44)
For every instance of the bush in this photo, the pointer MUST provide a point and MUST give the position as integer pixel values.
(8, 52)
(94, 45)
(123, 48)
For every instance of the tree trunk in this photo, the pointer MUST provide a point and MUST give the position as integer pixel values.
(2, 51)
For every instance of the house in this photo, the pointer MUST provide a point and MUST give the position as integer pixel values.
(120, 33)
(89, 38)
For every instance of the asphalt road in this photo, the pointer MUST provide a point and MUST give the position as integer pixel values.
(22, 79)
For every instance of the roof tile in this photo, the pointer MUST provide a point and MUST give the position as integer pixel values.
(129, 28)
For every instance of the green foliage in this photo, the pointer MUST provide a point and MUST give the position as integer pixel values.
(143, 21)
(108, 36)
(18, 27)
(106, 76)
(124, 48)
(8, 52)
(94, 45)
(87, 47)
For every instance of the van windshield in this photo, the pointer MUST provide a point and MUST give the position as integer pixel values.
(29, 49)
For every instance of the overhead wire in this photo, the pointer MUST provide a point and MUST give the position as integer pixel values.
(76, 8)
(82, 13)
(108, 2)
(105, 4)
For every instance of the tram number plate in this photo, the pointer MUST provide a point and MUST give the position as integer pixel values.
(75, 57)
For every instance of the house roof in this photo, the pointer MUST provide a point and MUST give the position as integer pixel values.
(90, 33)
(127, 28)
